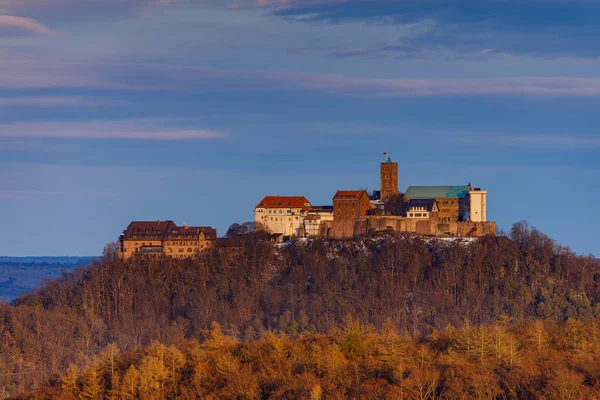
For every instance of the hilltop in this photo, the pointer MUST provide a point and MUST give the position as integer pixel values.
(416, 284)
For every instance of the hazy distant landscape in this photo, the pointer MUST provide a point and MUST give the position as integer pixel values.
(23, 274)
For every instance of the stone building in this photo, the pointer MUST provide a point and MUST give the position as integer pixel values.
(453, 201)
(422, 208)
(157, 238)
(348, 205)
(282, 215)
(315, 218)
(457, 210)
(388, 179)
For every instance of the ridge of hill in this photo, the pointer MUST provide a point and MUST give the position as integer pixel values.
(416, 284)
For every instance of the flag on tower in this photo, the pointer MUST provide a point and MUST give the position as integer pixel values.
(385, 154)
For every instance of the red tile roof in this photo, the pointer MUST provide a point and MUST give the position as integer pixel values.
(356, 194)
(285, 202)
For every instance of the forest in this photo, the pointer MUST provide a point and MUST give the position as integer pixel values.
(374, 317)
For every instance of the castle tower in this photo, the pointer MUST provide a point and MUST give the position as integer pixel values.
(478, 207)
(389, 178)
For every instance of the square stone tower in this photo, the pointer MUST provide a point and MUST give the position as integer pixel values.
(389, 178)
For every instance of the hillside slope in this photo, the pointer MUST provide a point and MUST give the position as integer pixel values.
(541, 360)
(305, 286)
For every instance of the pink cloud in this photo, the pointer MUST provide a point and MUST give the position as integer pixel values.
(20, 145)
(41, 101)
(21, 24)
(279, 4)
(193, 78)
(32, 73)
(124, 129)
(154, 77)
(57, 101)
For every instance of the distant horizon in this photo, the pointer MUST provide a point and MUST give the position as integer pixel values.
(48, 257)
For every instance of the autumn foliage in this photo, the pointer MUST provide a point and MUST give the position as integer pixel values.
(497, 317)
(539, 360)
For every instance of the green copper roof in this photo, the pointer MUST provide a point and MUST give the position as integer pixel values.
(436, 192)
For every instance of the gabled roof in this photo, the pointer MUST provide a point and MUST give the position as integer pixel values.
(148, 228)
(427, 203)
(436, 192)
(349, 194)
(162, 229)
(284, 202)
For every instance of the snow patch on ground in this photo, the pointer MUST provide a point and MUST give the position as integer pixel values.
(367, 244)
(447, 241)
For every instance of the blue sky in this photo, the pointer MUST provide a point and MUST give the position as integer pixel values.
(113, 111)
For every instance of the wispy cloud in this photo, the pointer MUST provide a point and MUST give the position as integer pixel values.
(283, 4)
(159, 77)
(193, 78)
(553, 28)
(121, 130)
(25, 5)
(553, 141)
(52, 101)
(15, 24)
(35, 73)
(23, 194)
(20, 145)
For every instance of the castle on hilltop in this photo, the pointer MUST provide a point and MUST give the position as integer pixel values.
(428, 210)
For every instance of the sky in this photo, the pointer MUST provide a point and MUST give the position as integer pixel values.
(113, 111)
